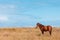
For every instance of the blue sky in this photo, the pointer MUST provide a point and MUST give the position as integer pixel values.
(29, 12)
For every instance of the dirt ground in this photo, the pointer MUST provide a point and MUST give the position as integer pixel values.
(28, 34)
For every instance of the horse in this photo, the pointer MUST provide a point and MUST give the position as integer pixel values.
(44, 28)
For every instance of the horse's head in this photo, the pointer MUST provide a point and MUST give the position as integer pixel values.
(39, 25)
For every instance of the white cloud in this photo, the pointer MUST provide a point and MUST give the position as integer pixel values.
(7, 6)
(3, 18)
(12, 6)
(21, 18)
(7, 9)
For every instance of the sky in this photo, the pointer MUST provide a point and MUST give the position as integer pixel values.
(21, 13)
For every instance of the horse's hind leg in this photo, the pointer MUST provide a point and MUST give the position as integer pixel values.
(50, 32)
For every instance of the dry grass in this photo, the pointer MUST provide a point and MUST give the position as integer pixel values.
(28, 34)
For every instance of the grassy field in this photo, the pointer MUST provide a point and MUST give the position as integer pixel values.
(28, 34)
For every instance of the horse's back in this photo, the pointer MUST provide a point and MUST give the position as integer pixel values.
(47, 28)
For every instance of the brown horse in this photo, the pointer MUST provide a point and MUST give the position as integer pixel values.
(44, 28)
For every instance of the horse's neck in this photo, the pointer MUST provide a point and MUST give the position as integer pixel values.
(41, 26)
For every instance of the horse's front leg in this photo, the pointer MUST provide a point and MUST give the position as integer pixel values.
(42, 32)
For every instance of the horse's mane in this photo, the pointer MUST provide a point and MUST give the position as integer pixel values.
(40, 24)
